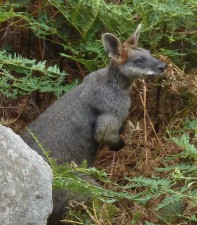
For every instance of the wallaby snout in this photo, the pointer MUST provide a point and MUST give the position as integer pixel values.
(161, 67)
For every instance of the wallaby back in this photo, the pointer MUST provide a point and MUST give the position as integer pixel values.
(92, 114)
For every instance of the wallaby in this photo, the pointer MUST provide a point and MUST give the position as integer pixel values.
(92, 114)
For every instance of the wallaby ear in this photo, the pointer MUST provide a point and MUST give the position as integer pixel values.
(112, 45)
(133, 39)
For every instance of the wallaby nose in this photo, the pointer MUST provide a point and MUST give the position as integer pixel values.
(161, 67)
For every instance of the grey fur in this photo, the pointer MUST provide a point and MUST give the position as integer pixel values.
(92, 114)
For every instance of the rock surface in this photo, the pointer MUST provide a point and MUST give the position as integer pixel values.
(25, 183)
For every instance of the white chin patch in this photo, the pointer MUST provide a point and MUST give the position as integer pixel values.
(150, 72)
(136, 70)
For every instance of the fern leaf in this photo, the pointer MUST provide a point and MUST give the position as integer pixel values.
(150, 223)
(170, 208)
(184, 142)
(50, 79)
(149, 182)
(192, 218)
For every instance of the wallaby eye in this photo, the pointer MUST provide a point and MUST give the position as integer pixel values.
(139, 60)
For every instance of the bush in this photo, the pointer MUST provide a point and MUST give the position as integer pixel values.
(72, 30)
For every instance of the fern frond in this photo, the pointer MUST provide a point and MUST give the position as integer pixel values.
(170, 200)
(192, 218)
(191, 125)
(183, 167)
(171, 207)
(27, 66)
(184, 142)
(47, 79)
(75, 12)
(41, 27)
(156, 183)
(150, 223)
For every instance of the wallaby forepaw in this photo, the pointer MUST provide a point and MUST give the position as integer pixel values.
(118, 146)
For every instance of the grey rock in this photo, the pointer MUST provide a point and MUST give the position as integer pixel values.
(25, 183)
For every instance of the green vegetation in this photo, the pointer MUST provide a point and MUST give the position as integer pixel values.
(46, 45)
(47, 79)
(74, 28)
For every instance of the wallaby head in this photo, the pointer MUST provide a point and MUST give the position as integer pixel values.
(132, 61)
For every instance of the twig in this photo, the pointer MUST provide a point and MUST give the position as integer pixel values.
(152, 126)
(112, 166)
(145, 133)
(80, 69)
